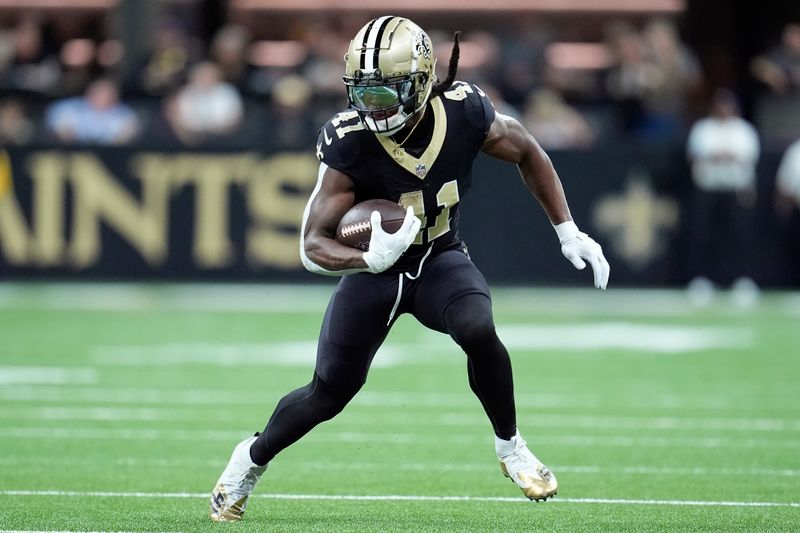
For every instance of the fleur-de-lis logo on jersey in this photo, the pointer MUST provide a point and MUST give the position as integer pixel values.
(423, 46)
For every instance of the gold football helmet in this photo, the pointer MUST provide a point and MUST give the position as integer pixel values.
(389, 73)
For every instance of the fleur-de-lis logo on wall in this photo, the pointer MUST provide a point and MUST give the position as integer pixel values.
(637, 220)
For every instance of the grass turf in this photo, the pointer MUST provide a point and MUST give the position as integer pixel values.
(131, 399)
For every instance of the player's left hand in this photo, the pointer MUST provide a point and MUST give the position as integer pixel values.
(579, 248)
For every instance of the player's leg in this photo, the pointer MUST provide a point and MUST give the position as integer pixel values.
(353, 329)
(453, 297)
(354, 326)
(469, 321)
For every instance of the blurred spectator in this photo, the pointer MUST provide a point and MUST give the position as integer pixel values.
(323, 66)
(522, 59)
(554, 123)
(779, 69)
(290, 123)
(228, 51)
(97, 117)
(787, 203)
(30, 67)
(205, 107)
(679, 74)
(166, 67)
(723, 150)
(78, 61)
(632, 79)
(15, 126)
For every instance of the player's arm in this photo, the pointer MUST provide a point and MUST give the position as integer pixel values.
(509, 141)
(322, 254)
(319, 251)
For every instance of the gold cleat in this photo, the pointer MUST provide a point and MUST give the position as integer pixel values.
(229, 497)
(219, 512)
(518, 464)
(537, 488)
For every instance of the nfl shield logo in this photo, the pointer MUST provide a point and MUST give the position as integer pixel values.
(421, 170)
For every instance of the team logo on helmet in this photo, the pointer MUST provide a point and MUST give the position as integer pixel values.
(423, 46)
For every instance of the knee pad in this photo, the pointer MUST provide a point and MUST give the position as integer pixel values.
(329, 400)
(469, 319)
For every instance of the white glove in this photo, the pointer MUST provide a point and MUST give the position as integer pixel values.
(577, 247)
(386, 248)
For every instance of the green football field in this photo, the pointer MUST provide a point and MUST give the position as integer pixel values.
(120, 405)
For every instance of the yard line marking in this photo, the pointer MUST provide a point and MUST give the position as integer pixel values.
(433, 348)
(46, 375)
(387, 399)
(403, 439)
(188, 297)
(102, 414)
(462, 419)
(396, 497)
(293, 298)
(423, 467)
(634, 422)
(129, 395)
(663, 339)
(285, 353)
(569, 469)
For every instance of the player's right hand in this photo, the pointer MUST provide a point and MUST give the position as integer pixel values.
(581, 249)
(386, 248)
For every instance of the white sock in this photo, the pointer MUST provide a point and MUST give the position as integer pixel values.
(505, 447)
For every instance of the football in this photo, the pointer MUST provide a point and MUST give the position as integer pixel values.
(354, 229)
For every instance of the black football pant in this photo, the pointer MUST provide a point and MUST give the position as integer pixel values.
(450, 295)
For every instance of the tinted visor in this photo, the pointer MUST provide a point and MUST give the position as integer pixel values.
(380, 97)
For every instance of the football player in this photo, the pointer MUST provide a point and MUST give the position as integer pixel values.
(409, 138)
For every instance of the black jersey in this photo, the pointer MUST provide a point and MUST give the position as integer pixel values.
(431, 171)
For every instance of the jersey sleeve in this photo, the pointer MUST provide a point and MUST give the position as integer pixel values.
(337, 144)
(479, 109)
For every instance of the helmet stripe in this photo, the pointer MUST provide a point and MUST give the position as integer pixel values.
(374, 42)
(378, 40)
(364, 43)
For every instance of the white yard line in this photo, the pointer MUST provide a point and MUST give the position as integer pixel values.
(293, 298)
(487, 467)
(184, 297)
(389, 399)
(401, 439)
(431, 348)
(646, 338)
(397, 497)
(379, 399)
(46, 375)
(667, 423)
(423, 419)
